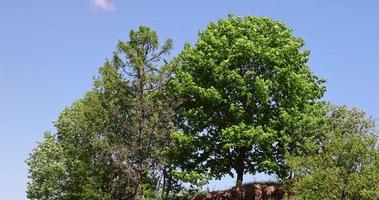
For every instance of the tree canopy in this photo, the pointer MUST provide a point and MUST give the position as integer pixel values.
(346, 166)
(110, 143)
(243, 88)
(241, 100)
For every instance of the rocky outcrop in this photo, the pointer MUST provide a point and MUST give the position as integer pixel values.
(247, 192)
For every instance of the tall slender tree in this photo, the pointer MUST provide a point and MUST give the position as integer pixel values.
(137, 59)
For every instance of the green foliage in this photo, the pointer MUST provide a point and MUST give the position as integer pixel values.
(109, 144)
(46, 170)
(242, 98)
(147, 132)
(346, 166)
(194, 178)
(243, 91)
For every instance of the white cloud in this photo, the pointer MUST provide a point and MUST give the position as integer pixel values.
(103, 4)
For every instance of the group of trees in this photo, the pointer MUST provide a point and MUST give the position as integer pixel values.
(241, 100)
(345, 164)
(111, 143)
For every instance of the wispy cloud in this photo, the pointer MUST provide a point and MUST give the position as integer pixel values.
(103, 4)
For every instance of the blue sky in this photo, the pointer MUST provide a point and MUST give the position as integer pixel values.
(50, 50)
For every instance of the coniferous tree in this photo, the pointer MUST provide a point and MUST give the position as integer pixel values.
(137, 60)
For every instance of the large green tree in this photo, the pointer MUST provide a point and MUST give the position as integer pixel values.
(242, 91)
(111, 141)
(347, 163)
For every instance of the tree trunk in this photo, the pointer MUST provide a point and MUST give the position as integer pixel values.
(138, 193)
(142, 115)
(344, 193)
(141, 134)
(169, 183)
(239, 178)
(240, 166)
(164, 181)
